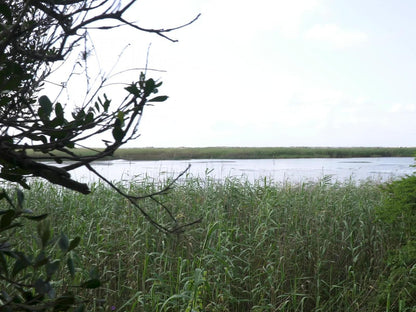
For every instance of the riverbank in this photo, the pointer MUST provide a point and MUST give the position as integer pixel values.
(184, 153)
(260, 153)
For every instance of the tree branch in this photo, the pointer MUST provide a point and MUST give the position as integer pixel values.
(176, 229)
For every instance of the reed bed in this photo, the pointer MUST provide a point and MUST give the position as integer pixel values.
(179, 153)
(262, 246)
(261, 152)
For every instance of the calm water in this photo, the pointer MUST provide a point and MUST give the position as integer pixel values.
(280, 170)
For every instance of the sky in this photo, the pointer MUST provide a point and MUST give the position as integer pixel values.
(271, 72)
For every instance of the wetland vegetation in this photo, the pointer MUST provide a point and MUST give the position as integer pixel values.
(262, 246)
(180, 153)
(261, 152)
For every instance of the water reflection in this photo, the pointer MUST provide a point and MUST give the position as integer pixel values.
(291, 170)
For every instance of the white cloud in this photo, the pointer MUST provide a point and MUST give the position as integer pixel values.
(288, 16)
(335, 36)
(403, 108)
(245, 18)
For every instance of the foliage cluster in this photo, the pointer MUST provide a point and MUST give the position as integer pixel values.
(398, 212)
(28, 266)
(36, 38)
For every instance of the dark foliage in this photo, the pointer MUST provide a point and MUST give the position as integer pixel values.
(28, 278)
(398, 213)
(35, 37)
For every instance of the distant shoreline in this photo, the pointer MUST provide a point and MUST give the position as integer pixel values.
(183, 153)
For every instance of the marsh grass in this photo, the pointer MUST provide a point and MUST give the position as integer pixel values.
(261, 247)
(261, 152)
(253, 152)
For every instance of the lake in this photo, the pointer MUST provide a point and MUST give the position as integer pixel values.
(279, 170)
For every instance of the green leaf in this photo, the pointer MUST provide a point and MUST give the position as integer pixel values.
(106, 103)
(63, 242)
(20, 198)
(21, 263)
(120, 116)
(118, 132)
(7, 219)
(74, 243)
(44, 232)
(97, 107)
(132, 89)
(149, 87)
(92, 283)
(59, 112)
(70, 265)
(89, 118)
(79, 117)
(160, 98)
(45, 107)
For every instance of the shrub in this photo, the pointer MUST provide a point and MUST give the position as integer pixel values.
(398, 286)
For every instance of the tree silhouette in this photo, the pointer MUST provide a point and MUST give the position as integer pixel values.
(36, 36)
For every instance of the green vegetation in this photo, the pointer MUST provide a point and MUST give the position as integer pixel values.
(28, 271)
(398, 212)
(261, 247)
(37, 39)
(255, 152)
(261, 152)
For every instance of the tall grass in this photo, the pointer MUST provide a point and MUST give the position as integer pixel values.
(261, 247)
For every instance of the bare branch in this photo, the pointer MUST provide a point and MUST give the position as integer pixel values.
(176, 229)
(133, 202)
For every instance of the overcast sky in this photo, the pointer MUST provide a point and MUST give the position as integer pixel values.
(275, 73)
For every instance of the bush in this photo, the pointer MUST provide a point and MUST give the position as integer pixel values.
(398, 286)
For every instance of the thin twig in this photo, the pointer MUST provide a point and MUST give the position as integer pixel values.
(145, 214)
(133, 200)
